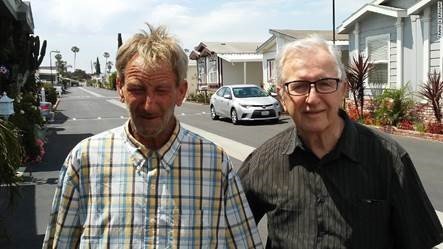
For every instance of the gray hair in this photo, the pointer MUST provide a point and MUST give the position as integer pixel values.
(154, 47)
(302, 45)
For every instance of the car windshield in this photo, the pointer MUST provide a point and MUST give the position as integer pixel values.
(248, 92)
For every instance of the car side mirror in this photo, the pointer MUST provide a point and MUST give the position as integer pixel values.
(274, 94)
(227, 96)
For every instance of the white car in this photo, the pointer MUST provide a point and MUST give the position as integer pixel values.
(244, 103)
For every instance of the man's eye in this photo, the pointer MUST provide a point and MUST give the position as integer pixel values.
(162, 90)
(298, 87)
(135, 90)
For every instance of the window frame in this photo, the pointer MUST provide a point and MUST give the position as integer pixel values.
(387, 38)
(270, 70)
(213, 69)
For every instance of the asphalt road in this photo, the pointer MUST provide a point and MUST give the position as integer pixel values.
(83, 112)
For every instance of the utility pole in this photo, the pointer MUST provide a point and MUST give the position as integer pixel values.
(50, 64)
(333, 21)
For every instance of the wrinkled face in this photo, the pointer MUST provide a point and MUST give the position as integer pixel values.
(313, 112)
(151, 96)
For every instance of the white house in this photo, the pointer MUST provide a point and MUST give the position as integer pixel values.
(280, 37)
(226, 63)
(402, 38)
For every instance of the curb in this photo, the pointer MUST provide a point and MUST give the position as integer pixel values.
(408, 133)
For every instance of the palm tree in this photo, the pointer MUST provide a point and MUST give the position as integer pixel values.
(75, 50)
(106, 55)
(109, 65)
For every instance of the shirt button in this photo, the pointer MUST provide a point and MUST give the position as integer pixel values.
(320, 200)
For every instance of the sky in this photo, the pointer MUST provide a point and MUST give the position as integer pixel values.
(93, 25)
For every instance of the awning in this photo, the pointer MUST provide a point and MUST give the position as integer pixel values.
(241, 57)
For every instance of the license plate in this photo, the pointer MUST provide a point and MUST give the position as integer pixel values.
(265, 113)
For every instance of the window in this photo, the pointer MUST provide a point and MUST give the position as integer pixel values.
(212, 69)
(221, 91)
(201, 70)
(271, 69)
(378, 54)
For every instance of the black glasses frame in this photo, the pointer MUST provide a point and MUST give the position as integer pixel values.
(337, 80)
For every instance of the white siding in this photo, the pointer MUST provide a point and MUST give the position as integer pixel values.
(254, 73)
(232, 73)
(393, 63)
(192, 78)
(380, 25)
(267, 56)
(434, 57)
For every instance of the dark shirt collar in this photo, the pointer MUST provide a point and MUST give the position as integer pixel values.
(346, 145)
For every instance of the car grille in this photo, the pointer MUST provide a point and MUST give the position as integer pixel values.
(258, 114)
(262, 106)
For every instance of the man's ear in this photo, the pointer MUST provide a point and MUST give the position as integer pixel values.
(182, 89)
(280, 94)
(119, 86)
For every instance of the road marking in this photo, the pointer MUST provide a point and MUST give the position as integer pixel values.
(233, 148)
(117, 103)
(90, 92)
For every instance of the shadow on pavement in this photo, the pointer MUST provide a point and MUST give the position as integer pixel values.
(59, 118)
(24, 221)
(57, 148)
(18, 220)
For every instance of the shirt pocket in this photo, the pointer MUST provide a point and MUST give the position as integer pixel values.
(192, 228)
(371, 228)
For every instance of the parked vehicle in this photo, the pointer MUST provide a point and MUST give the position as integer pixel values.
(46, 110)
(244, 103)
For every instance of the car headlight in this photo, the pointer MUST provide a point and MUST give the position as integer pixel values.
(245, 106)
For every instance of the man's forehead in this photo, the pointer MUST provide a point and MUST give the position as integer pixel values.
(301, 63)
(138, 63)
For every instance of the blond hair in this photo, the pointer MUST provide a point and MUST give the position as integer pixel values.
(154, 48)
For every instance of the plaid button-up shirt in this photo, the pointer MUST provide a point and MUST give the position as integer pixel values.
(114, 193)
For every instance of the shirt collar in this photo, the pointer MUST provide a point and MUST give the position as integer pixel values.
(166, 153)
(347, 143)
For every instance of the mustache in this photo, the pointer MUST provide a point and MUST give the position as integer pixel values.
(144, 114)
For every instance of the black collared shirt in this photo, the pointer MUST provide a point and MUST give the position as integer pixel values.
(365, 193)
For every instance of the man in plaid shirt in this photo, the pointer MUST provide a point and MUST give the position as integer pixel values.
(150, 183)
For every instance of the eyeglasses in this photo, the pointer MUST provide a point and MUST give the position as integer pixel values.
(303, 87)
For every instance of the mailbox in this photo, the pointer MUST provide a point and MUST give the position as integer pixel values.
(6, 106)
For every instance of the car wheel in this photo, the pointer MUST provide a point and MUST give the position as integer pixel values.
(214, 115)
(234, 117)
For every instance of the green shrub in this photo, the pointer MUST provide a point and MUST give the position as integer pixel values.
(393, 106)
(50, 93)
(200, 97)
(112, 80)
(419, 126)
(27, 119)
(11, 153)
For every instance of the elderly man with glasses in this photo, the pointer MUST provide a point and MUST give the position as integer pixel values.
(330, 182)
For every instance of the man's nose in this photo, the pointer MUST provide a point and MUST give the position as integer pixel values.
(149, 101)
(312, 93)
